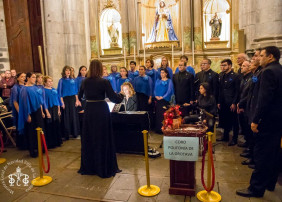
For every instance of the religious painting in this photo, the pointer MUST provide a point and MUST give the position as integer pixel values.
(160, 20)
(216, 23)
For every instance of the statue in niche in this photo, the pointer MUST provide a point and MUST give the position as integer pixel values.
(215, 24)
(114, 35)
(163, 29)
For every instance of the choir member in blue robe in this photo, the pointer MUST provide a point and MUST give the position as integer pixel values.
(30, 113)
(114, 73)
(130, 98)
(151, 72)
(98, 154)
(67, 91)
(133, 73)
(14, 102)
(163, 93)
(52, 105)
(80, 77)
(110, 78)
(39, 84)
(123, 78)
(143, 88)
(164, 64)
(188, 68)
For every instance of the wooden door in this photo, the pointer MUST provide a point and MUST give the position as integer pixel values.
(24, 33)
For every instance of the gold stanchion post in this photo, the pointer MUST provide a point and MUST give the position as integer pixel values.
(204, 195)
(147, 190)
(41, 180)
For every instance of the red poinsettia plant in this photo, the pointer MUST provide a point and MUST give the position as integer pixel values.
(173, 113)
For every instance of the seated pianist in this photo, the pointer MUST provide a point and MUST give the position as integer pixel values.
(130, 99)
(207, 104)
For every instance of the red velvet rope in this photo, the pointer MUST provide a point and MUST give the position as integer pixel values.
(2, 144)
(43, 141)
(208, 189)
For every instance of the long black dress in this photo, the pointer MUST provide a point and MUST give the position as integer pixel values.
(98, 154)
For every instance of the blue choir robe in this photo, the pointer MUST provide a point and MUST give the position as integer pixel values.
(153, 74)
(112, 81)
(132, 75)
(15, 94)
(164, 89)
(29, 102)
(67, 87)
(51, 98)
(116, 75)
(143, 84)
(120, 81)
(41, 89)
(170, 73)
(78, 82)
(188, 69)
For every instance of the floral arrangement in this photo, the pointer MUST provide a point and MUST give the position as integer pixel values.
(172, 118)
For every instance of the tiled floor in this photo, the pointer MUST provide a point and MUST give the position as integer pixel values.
(68, 185)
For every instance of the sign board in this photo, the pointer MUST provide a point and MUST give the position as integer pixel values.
(181, 148)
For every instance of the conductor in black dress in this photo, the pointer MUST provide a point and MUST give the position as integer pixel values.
(98, 154)
(266, 124)
(183, 83)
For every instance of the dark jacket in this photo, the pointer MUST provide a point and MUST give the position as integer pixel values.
(252, 97)
(184, 87)
(211, 78)
(229, 88)
(268, 113)
(244, 90)
(131, 103)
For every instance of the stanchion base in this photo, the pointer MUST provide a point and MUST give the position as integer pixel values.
(2, 160)
(153, 190)
(211, 196)
(38, 182)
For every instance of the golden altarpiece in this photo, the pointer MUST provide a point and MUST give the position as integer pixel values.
(126, 30)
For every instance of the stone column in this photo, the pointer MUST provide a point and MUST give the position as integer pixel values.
(94, 28)
(132, 26)
(65, 35)
(4, 55)
(125, 25)
(198, 31)
(186, 7)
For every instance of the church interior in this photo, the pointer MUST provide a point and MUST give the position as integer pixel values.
(47, 37)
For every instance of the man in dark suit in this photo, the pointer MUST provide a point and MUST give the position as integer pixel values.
(183, 82)
(251, 103)
(207, 75)
(267, 126)
(228, 98)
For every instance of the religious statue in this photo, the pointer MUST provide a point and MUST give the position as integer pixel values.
(163, 29)
(114, 35)
(215, 24)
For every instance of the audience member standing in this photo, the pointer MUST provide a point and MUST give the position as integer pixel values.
(6, 84)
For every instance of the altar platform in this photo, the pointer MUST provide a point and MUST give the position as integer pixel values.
(68, 185)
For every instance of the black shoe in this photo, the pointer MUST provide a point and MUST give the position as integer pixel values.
(252, 166)
(248, 193)
(232, 143)
(243, 145)
(118, 171)
(270, 188)
(245, 155)
(247, 162)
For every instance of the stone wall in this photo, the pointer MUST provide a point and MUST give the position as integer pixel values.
(261, 22)
(4, 55)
